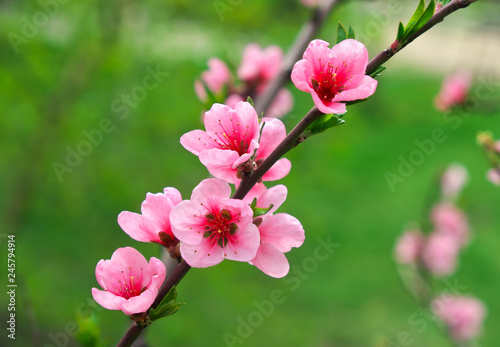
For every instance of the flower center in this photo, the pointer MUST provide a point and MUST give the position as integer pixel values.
(220, 226)
(327, 83)
(130, 286)
(232, 139)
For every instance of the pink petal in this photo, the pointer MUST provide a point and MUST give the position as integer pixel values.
(217, 76)
(366, 88)
(107, 300)
(328, 107)
(271, 261)
(185, 226)
(244, 244)
(275, 196)
(282, 231)
(279, 170)
(273, 132)
(220, 163)
(157, 209)
(271, 62)
(159, 272)
(141, 303)
(99, 273)
(353, 54)
(197, 141)
(249, 67)
(301, 75)
(214, 188)
(203, 255)
(233, 99)
(138, 227)
(173, 195)
(249, 121)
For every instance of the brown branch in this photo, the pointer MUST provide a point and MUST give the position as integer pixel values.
(308, 31)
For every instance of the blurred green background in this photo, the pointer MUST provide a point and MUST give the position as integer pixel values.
(62, 77)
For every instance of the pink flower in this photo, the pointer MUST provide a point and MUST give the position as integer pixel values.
(281, 105)
(259, 66)
(493, 175)
(453, 180)
(448, 219)
(130, 283)
(153, 225)
(454, 90)
(311, 3)
(335, 75)
(217, 76)
(278, 233)
(440, 254)
(463, 315)
(409, 247)
(213, 227)
(229, 141)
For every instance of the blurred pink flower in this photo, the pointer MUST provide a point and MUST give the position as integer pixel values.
(448, 219)
(493, 175)
(213, 227)
(440, 253)
(281, 105)
(409, 247)
(259, 66)
(230, 139)
(335, 75)
(453, 180)
(279, 233)
(215, 78)
(311, 3)
(454, 90)
(130, 283)
(463, 315)
(153, 225)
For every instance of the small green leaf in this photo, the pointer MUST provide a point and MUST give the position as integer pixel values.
(167, 306)
(424, 18)
(259, 211)
(378, 71)
(416, 15)
(250, 101)
(341, 33)
(325, 122)
(401, 32)
(351, 34)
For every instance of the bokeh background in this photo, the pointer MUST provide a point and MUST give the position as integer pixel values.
(64, 76)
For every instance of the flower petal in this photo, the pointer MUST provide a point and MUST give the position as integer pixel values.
(187, 222)
(220, 162)
(279, 170)
(271, 261)
(138, 227)
(197, 141)
(107, 299)
(140, 303)
(282, 231)
(244, 244)
(203, 255)
(366, 88)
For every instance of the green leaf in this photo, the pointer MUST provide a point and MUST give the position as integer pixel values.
(424, 18)
(416, 16)
(167, 306)
(325, 122)
(378, 71)
(341, 33)
(259, 211)
(401, 32)
(250, 101)
(350, 34)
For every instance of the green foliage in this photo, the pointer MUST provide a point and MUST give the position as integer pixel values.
(259, 211)
(342, 34)
(167, 306)
(419, 18)
(378, 71)
(324, 123)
